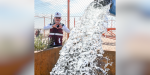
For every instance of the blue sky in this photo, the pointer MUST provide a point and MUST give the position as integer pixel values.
(77, 7)
(49, 7)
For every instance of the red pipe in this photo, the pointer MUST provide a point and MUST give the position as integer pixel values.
(68, 17)
(74, 22)
(44, 26)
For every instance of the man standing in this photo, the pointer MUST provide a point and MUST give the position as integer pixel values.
(37, 33)
(56, 30)
(41, 32)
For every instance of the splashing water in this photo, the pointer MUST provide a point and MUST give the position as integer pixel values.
(83, 51)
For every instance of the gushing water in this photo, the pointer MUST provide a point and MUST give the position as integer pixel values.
(82, 54)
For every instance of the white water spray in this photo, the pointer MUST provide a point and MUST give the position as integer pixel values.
(82, 52)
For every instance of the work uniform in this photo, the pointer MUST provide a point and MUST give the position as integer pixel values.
(56, 34)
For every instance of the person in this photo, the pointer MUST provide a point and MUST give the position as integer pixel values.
(37, 32)
(41, 32)
(56, 30)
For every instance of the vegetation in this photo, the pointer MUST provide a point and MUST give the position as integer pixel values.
(41, 43)
(64, 42)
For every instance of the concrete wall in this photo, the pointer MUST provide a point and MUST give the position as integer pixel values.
(45, 60)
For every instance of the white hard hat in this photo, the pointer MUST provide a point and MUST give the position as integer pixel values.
(57, 14)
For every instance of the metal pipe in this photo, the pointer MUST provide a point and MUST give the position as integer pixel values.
(74, 22)
(51, 19)
(44, 26)
(68, 16)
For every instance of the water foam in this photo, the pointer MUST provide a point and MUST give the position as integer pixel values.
(82, 53)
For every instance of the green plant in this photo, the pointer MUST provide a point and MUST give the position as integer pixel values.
(49, 43)
(64, 42)
(40, 43)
